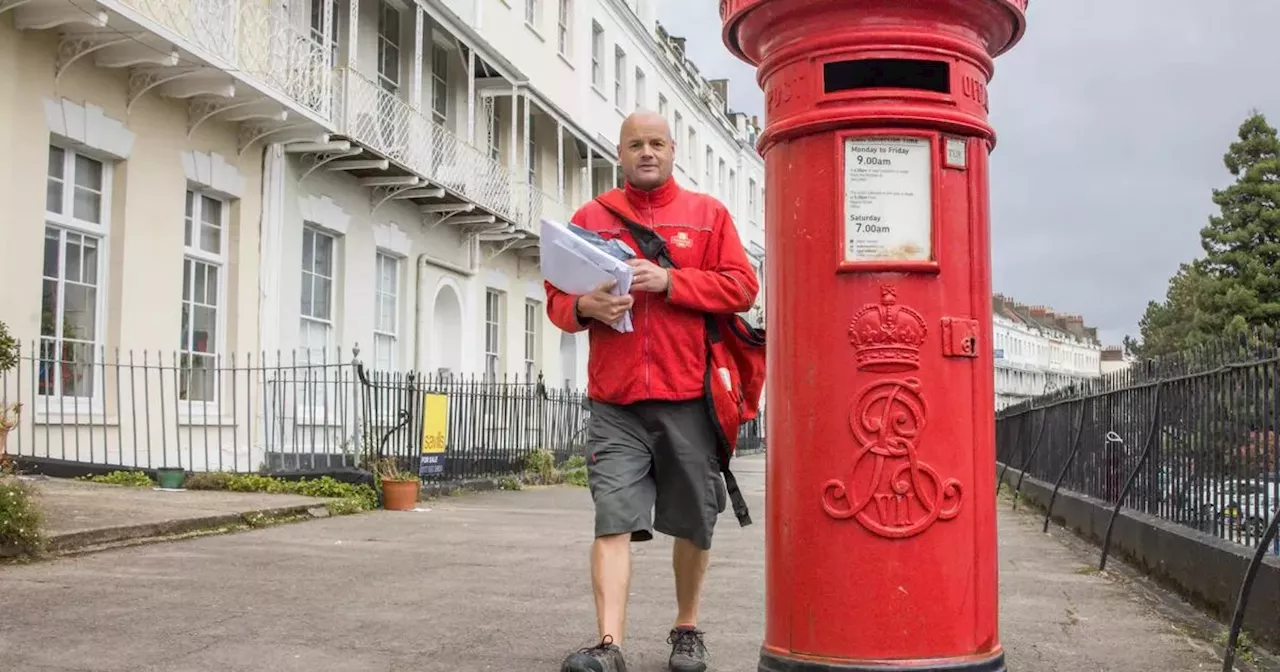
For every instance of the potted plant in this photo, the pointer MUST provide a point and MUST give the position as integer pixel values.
(170, 478)
(399, 487)
(9, 359)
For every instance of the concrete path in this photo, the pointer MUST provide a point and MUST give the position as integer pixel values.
(494, 581)
(1058, 614)
(80, 514)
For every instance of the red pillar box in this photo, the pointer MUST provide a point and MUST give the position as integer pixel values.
(881, 533)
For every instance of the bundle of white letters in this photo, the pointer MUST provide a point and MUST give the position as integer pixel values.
(576, 266)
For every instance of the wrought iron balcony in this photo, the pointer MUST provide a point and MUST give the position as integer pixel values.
(253, 41)
(534, 204)
(387, 124)
(244, 61)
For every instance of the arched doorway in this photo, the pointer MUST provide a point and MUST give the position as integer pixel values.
(446, 332)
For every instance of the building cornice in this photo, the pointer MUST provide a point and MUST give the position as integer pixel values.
(645, 36)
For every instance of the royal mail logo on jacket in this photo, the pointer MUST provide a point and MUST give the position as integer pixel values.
(664, 357)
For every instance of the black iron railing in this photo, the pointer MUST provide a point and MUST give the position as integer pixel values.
(279, 413)
(1192, 438)
(254, 412)
(262, 413)
(492, 427)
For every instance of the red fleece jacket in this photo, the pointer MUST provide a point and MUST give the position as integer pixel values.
(665, 357)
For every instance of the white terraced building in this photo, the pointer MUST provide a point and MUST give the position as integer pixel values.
(1038, 351)
(228, 184)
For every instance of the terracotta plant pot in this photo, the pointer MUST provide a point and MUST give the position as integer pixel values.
(399, 495)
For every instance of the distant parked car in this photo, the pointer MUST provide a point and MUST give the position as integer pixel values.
(1246, 504)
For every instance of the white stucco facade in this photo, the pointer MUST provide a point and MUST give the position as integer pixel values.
(211, 200)
(530, 97)
(1038, 351)
(554, 82)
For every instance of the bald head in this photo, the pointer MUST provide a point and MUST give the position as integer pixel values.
(645, 120)
(646, 149)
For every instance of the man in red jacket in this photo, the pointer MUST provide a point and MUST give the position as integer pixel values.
(651, 439)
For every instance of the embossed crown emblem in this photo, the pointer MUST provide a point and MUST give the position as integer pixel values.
(887, 336)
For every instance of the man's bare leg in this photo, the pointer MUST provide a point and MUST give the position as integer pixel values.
(690, 565)
(611, 581)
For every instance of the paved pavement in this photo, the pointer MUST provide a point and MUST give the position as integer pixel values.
(79, 514)
(78, 506)
(495, 581)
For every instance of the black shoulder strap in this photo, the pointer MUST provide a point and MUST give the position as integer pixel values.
(652, 246)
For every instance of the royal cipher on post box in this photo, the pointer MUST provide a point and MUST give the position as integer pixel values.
(880, 514)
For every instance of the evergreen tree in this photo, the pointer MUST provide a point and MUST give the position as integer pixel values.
(1236, 285)
(1242, 244)
(1177, 322)
(1133, 346)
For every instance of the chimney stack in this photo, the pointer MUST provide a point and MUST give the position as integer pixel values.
(721, 87)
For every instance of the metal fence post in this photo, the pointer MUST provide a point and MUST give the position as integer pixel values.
(1022, 473)
(1133, 475)
(1044, 419)
(1246, 587)
(1029, 415)
(1075, 448)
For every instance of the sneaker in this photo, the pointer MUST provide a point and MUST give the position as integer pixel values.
(688, 652)
(603, 657)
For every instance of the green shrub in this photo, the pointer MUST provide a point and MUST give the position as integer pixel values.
(347, 506)
(575, 471)
(257, 483)
(136, 479)
(353, 497)
(541, 463)
(9, 349)
(20, 520)
(576, 477)
(209, 480)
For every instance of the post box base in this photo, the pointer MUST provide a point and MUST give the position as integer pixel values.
(774, 662)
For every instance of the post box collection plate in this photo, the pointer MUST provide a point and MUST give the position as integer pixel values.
(888, 203)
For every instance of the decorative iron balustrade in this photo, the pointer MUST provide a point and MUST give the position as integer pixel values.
(535, 204)
(253, 41)
(386, 123)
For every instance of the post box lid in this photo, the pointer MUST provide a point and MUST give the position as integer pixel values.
(733, 12)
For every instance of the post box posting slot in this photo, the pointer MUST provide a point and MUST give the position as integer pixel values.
(886, 73)
(888, 184)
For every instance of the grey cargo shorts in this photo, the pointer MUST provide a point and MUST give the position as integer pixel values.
(659, 457)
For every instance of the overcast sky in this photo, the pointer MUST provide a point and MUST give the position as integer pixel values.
(1112, 120)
